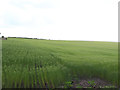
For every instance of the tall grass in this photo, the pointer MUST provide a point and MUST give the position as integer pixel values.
(46, 63)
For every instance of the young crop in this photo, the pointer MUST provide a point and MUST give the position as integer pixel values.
(40, 63)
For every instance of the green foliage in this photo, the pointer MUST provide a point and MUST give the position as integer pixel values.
(92, 83)
(79, 86)
(49, 63)
(68, 85)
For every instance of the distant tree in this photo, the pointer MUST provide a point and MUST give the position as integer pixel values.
(2, 36)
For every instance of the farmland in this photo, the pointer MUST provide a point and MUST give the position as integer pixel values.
(37, 63)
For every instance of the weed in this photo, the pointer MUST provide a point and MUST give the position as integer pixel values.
(68, 85)
(92, 83)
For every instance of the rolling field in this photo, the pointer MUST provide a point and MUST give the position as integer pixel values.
(37, 63)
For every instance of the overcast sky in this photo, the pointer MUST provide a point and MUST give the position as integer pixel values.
(95, 20)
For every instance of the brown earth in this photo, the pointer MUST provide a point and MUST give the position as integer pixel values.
(83, 83)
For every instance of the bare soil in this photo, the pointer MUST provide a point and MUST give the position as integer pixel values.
(83, 83)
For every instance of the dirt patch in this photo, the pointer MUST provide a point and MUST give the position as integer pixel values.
(89, 83)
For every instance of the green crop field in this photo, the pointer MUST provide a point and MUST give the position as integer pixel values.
(37, 63)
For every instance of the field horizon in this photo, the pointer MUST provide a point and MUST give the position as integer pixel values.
(59, 39)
